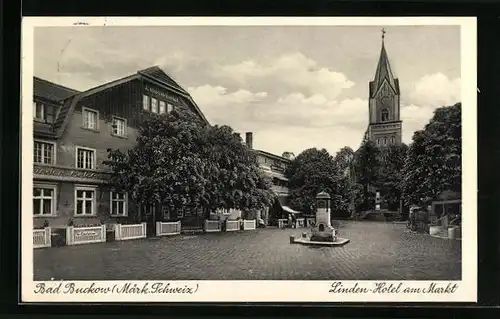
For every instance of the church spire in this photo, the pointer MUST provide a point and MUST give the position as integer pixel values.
(384, 70)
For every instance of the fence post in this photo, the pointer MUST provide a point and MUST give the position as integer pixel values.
(48, 237)
(69, 235)
(117, 231)
(158, 228)
(143, 229)
(103, 232)
(179, 226)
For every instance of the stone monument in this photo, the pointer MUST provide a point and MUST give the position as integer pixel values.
(323, 230)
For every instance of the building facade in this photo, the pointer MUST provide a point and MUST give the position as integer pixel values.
(385, 125)
(274, 166)
(72, 132)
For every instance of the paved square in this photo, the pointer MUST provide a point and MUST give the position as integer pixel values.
(377, 251)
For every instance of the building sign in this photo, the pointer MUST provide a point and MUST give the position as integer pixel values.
(67, 172)
(277, 168)
(163, 94)
(86, 233)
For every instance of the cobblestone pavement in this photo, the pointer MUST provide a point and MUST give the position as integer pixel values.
(377, 251)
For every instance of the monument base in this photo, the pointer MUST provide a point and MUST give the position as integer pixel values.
(328, 238)
(309, 242)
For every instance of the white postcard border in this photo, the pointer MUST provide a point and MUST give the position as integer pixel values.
(271, 290)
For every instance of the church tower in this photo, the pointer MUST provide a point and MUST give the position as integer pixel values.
(384, 126)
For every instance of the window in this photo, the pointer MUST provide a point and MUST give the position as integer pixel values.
(393, 140)
(38, 111)
(85, 198)
(163, 107)
(85, 158)
(118, 127)
(90, 118)
(43, 153)
(44, 200)
(165, 211)
(44, 113)
(385, 140)
(118, 204)
(384, 115)
(154, 105)
(145, 102)
(378, 141)
(180, 213)
(170, 108)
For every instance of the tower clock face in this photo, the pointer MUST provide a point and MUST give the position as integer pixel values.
(321, 204)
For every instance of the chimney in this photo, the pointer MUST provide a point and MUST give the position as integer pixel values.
(249, 139)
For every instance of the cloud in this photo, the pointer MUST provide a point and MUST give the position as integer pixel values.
(222, 106)
(292, 72)
(435, 90)
(315, 111)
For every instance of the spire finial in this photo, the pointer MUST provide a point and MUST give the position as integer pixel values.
(383, 35)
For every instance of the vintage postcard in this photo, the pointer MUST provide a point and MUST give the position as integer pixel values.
(249, 159)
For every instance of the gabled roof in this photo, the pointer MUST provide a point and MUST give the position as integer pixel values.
(159, 75)
(383, 73)
(51, 91)
(154, 74)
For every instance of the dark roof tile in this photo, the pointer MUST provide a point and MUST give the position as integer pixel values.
(51, 91)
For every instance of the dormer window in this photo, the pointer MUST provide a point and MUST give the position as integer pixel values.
(384, 115)
(43, 112)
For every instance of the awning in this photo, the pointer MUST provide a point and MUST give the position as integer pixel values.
(289, 210)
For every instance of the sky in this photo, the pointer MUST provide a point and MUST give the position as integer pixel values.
(294, 87)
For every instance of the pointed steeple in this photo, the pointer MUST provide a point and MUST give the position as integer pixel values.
(383, 71)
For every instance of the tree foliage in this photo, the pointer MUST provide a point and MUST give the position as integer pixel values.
(178, 161)
(390, 177)
(367, 165)
(311, 172)
(433, 162)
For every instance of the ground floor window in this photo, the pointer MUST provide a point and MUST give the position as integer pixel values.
(85, 198)
(44, 200)
(118, 204)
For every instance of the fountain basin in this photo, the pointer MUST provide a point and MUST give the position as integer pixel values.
(308, 242)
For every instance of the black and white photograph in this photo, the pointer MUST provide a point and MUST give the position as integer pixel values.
(249, 159)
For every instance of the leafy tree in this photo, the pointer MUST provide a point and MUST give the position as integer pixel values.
(311, 172)
(433, 163)
(180, 162)
(390, 174)
(367, 166)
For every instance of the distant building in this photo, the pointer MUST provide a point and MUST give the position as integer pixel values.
(385, 125)
(72, 132)
(274, 167)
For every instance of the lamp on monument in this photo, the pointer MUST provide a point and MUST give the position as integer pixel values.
(323, 201)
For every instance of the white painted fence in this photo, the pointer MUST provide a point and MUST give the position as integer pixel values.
(282, 223)
(168, 228)
(301, 222)
(232, 225)
(85, 235)
(41, 237)
(249, 224)
(310, 222)
(126, 232)
(212, 226)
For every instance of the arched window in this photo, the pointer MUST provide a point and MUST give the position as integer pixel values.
(384, 115)
(378, 141)
(393, 140)
(385, 140)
